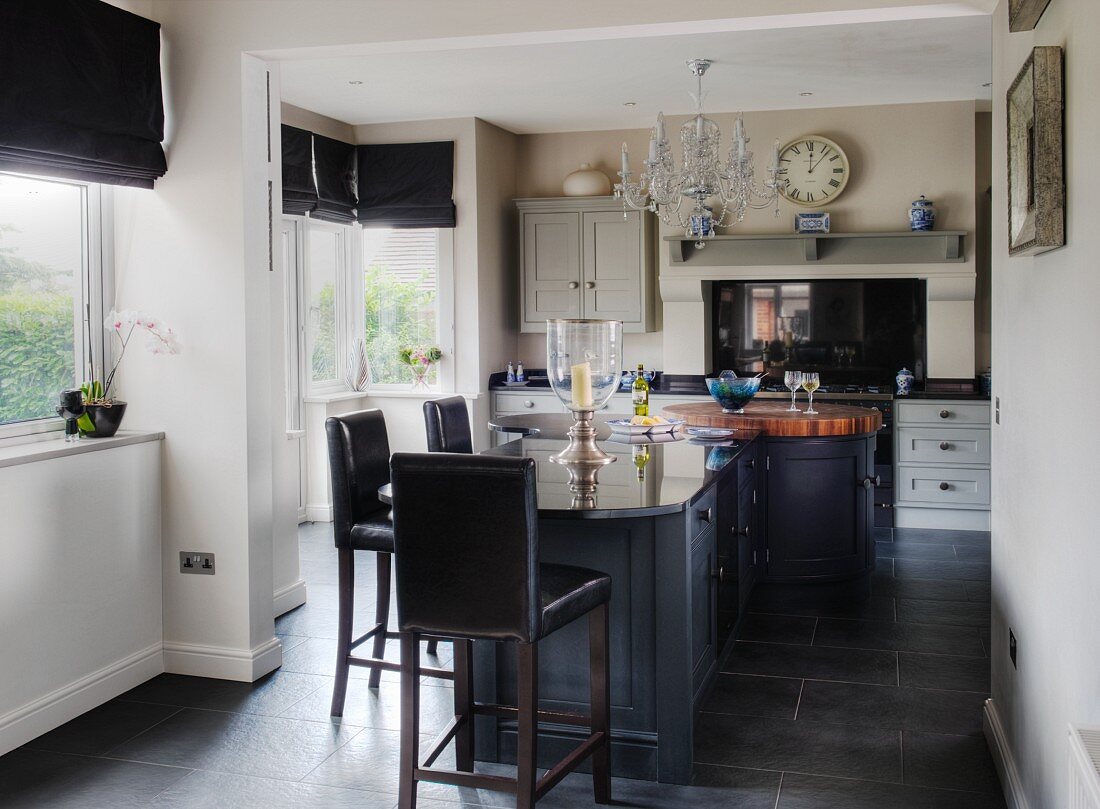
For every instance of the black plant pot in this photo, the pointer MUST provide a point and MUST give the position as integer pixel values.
(106, 419)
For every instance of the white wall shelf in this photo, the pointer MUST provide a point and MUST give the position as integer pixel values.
(779, 249)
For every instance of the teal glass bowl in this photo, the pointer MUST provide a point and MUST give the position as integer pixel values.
(733, 394)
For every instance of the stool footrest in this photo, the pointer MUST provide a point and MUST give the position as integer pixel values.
(511, 712)
(386, 665)
(569, 763)
(497, 783)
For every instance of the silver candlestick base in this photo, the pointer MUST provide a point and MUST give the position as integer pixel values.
(583, 457)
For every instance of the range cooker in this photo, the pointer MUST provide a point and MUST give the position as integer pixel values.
(875, 397)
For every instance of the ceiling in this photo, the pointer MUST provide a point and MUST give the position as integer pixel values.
(583, 85)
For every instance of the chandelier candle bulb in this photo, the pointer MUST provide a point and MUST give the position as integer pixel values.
(653, 149)
(626, 162)
(582, 386)
(775, 157)
(660, 126)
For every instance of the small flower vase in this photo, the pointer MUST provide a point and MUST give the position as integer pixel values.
(420, 376)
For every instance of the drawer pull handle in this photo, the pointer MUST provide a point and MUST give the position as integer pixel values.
(872, 482)
(719, 574)
(945, 414)
(528, 403)
(944, 485)
(573, 285)
(589, 284)
(752, 463)
(705, 515)
(944, 445)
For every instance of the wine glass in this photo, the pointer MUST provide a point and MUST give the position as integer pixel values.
(793, 380)
(811, 382)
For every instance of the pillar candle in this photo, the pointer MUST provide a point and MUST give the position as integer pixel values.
(660, 126)
(582, 386)
(626, 162)
(653, 149)
(775, 156)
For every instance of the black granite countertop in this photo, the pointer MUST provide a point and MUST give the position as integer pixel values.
(676, 471)
(946, 395)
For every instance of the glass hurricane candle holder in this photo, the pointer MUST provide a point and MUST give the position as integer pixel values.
(583, 361)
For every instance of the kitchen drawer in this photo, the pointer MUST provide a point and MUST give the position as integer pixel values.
(960, 445)
(544, 402)
(948, 413)
(942, 486)
(704, 513)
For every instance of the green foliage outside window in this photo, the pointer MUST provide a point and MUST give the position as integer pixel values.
(398, 314)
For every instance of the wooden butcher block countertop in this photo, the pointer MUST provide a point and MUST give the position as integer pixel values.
(774, 419)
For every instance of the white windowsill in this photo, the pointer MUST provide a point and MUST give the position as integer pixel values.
(33, 451)
(383, 393)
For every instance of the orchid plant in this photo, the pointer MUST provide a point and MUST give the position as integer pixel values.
(159, 339)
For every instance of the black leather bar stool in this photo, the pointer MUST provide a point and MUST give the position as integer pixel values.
(448, 425)
(359, 462)
(467, 544)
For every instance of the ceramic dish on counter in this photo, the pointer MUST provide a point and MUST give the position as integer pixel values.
(709, 433)
(515, 384)
(646, 438)
(626, 427)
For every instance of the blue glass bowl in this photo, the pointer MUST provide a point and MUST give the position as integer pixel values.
(733, 394)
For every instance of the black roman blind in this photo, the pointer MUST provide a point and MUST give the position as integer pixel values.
(407, 185)
(335, 169)
(299, 189)
(80, 93)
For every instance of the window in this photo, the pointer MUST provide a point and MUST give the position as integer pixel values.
(50, 291)
(326, 263)
(405, 293)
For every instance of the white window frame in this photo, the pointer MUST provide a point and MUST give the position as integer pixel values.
(445, 313)
(96, 291)
(347, 250)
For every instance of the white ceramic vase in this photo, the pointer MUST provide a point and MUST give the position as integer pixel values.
(357, 375)
(586, 182)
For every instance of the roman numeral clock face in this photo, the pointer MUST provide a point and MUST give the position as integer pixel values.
(816, 170)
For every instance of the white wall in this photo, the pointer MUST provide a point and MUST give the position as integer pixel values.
(80, 589)
(1046, 553)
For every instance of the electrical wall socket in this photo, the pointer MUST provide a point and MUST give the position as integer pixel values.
(197, 562)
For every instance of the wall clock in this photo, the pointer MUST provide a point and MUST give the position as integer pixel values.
(816, 170)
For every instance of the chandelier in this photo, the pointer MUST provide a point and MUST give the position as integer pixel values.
(662, 188)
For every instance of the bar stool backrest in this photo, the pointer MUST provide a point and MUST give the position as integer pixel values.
(359, 463)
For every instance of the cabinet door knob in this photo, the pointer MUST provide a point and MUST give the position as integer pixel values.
(944, 445)
(945, 414)
(705, 515)
(869, 483)
(752, 463)
(944, 485)
(744, 531)
(589, 284)
(573, 285)
(528, 403)
(719, 574)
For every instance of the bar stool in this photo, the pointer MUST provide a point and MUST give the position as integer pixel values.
(359, 456)
(466, 533)
(447, 423)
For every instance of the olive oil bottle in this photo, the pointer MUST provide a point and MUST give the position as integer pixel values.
(641, 458)
(639, 394)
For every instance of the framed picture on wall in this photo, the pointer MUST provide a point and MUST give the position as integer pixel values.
(1036, 162)
(1023, 15)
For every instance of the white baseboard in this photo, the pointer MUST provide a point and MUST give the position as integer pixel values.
(222, 663)
(289, 597)
(30, 721)
(1003, 759)
(319, 513)
(957, 519)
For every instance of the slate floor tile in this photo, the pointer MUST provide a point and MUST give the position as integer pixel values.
(845, 665)
(987, 640)
(214, 790)
(269, 695)
(951, 762)
(738, 789)
(787, 602)
(910, 549)
(268, 747)
(815, 792)
(926, 569)
(810, 747)
(100, 729)
(747, 695)
(898, 637)
(317, 656)
(944, 672)
(979, 538)
(973, 553)
(749, 788)
(954, 613)
(370, 761)
(364, 707)
(777, 628)
(931, 589)
(892, 708)
(34, 779)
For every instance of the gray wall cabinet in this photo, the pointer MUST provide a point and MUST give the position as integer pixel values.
(583, 258)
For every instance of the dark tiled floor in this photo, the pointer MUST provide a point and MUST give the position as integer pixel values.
(824, 703)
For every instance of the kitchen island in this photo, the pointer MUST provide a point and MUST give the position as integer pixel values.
(668, 525)
(818, 486)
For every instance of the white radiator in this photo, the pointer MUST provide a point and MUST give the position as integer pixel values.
(1084, 767)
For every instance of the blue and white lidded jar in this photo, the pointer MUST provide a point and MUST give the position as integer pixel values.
(905, 381)
(922, 214)
(701, 224)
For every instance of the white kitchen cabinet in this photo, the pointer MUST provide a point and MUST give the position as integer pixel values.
(582, 257)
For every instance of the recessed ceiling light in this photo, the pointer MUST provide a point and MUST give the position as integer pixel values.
(805, 93)
(355, 81)
(630, 103)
